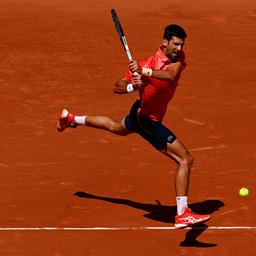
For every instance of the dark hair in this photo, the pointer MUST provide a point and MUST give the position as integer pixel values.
(174, 30)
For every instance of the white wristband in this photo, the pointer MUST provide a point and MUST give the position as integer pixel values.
(129, 88)
(147, 71)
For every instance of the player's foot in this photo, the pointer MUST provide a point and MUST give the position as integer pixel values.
(188, 218)
(66, 119)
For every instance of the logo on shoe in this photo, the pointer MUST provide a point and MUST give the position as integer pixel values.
(191, 219)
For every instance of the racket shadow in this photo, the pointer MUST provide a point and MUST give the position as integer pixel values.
(166, 214)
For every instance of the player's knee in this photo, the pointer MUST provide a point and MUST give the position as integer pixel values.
(187, 160)
(114, 126)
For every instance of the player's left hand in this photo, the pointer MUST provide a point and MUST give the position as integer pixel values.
(135, 67)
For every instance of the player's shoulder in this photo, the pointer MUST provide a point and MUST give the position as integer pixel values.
(150, 61)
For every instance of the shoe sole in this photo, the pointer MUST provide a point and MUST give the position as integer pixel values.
(59, 127)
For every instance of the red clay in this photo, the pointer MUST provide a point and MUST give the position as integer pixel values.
(63, 53)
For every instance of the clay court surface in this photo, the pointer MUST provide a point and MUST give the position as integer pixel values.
(64, 53)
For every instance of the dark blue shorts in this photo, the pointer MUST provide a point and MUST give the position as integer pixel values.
(154, 132)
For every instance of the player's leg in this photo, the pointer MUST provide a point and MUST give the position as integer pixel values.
(180, 154)
(107, 123)
(68, 119)
(166, 142)
(185, 217)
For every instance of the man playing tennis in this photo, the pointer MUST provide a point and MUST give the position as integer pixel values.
(156, 80)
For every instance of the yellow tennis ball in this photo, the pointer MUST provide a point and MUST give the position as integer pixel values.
(244, 192)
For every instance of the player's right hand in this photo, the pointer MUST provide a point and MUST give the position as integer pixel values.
(136, 82)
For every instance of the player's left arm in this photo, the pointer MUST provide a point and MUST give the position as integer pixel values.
(170, 73)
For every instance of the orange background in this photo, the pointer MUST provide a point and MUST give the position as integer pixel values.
(65, 53)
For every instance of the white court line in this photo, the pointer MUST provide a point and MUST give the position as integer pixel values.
(122, 228)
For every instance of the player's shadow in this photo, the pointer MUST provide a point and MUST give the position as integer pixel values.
(167, 214)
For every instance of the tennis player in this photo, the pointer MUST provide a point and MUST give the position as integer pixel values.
(156, 81)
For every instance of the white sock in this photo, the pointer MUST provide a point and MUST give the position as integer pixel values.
(182, 203)
(80, 120)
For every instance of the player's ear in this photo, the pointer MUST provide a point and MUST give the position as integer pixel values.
(165, 42)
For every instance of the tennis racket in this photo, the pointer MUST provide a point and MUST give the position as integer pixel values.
(122, 36)
(121, 33)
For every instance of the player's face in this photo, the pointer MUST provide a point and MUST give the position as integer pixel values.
(173, 47)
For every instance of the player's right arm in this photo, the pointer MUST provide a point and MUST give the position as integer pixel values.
(123, 85)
